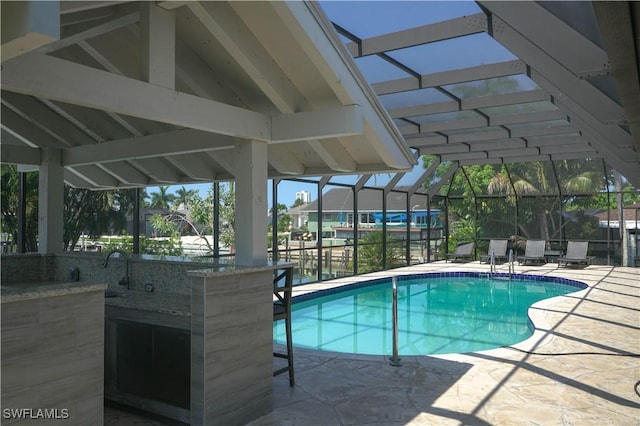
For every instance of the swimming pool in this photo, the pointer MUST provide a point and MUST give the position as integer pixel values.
(438, 313)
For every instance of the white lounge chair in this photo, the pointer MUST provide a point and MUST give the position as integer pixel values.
(576, 254)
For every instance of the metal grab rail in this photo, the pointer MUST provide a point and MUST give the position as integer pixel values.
(492, 259)
(395, 359)
(512, 268)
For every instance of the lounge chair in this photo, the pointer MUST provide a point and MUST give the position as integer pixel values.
(463, 251)
(576, 254)
(533, 252)
(499, 249)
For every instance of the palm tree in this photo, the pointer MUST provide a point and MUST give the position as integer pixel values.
(538, 179)
(161, 199)
(183, 196)
(94, 213)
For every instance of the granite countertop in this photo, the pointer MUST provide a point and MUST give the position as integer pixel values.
(231, 269)
(165, 303)
(16, 292)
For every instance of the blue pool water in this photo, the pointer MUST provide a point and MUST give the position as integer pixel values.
(437, 314)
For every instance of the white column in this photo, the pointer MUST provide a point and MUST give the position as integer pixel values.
(50, 201)
(251, 203)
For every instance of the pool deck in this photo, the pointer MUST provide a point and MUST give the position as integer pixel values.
(495, 387)
(563, 383)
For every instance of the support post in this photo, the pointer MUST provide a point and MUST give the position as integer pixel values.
(50, 202)
(251, 203)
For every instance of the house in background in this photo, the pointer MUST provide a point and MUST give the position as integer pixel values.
(299, 216)
(338, 216)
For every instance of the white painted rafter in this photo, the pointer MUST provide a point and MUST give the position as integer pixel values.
(52, 78)
(98, 30)
(125, 173)
(171, 143)
(225, 25)
(85, 86)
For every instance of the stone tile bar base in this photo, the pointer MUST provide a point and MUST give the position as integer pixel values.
(52, 358)
(231, 346)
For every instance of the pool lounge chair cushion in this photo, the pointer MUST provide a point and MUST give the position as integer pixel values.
(463, 251)
(576, 254)
(499, 248)
(533, 252)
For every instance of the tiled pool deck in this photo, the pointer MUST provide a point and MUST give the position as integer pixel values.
(562, 383)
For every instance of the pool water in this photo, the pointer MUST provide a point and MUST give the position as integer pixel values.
(436, 315)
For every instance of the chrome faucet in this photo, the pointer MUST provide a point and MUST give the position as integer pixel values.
(125, 279)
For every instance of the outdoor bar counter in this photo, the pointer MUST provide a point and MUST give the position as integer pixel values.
(232, 343)
(52, 351)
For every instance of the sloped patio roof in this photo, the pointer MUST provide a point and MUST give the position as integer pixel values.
(155, 93)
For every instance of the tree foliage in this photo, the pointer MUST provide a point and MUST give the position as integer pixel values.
(94, 213)
(10, 192)
(371, 249)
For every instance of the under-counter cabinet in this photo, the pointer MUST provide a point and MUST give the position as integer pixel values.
(147, 366)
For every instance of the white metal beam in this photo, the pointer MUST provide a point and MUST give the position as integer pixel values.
(432, 108)
(555, 37)
(464, 156)
(525, 96)
(523, 132)
(462, 75)
(574, 139)
(585, 149)
(423, 177)
(439, 31)
(515, 143)
(471, 103)
(484, 135)
(426, 141)
(435, 188)
(480, 72)
(527, 117)
(600, 106)
(441, 126)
